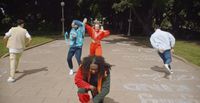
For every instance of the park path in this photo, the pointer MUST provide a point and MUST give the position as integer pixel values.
(137, 75)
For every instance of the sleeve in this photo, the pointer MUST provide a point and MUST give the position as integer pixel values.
(106, 33)
(79, 80)
(77, 22)
(172, 40)
(89, 30)
(66, 34)
(8, 34)
(153, 42)
(73, 34)
(105, 90)
(27, 35)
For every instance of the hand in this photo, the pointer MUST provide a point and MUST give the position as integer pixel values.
(92, 87)
(161, 50)
(172, 50)
(85, 20)
(28, 44)
(91, 101)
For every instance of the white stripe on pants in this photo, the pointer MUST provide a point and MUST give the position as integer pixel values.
(14, 61)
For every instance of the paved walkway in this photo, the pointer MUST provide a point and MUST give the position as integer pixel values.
(136, 77)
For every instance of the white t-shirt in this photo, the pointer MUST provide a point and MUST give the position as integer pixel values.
(12, 50)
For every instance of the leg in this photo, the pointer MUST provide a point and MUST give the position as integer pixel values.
(84, 97)
(12, 64)
(168, 60)
(98, 51)
(92, 49)
(69, 57)
(18, 56)
(161, 56)
(167, 56)
(78, 54)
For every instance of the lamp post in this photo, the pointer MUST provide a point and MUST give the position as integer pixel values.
(129, 24)
(63, 19)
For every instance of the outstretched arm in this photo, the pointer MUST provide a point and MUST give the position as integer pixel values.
(105, 90)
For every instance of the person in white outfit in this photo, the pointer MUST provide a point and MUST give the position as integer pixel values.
(17, 38)
(164, 43)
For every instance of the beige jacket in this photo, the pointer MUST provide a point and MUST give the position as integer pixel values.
(17, 40)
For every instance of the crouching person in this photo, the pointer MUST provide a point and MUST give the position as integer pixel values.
(93, 76)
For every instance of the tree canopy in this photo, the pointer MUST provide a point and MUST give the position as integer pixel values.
(181, 17)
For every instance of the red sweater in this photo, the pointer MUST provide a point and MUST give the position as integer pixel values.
(79, 80)
(97, 36)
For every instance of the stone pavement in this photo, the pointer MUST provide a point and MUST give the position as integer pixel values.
(136, 77)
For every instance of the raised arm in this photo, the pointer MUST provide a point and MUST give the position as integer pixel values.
(106, 33)
(89, 30)
(77, 22)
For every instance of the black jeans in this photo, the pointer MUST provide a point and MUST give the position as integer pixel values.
(77, 51)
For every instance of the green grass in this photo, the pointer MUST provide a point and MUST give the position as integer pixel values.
(35, 40)
(189, 50)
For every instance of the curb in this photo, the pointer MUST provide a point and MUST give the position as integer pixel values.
(185, 61)
(30, 47)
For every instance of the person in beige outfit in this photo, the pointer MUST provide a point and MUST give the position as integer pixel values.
(17, 38)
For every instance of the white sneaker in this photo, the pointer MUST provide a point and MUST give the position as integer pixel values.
(71, 72)
(168, 69)
(10, 79)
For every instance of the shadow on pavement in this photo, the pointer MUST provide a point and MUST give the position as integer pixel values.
(109, 100)
(32, 71)
(160, 69)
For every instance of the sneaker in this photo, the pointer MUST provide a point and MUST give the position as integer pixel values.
(168, 69)
(171, 69)
(10, 79)
(71, 72)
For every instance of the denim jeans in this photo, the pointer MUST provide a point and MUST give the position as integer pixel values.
(166, 56)
(77, 51)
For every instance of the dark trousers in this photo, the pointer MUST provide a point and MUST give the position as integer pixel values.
(166, 56)
(77, 51)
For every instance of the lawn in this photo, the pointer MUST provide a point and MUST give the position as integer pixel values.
(35, 40)
(189, 50)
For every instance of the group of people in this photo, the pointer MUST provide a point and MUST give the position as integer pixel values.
(93, 73)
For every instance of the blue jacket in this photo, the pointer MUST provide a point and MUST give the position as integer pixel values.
(76, 36)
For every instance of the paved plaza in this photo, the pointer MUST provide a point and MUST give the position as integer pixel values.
(137, 75)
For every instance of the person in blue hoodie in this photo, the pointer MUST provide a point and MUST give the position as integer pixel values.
(164, 43)
(76, 39)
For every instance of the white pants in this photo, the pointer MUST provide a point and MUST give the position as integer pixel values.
(14, 61)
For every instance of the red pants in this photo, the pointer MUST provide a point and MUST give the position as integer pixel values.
(95, 49)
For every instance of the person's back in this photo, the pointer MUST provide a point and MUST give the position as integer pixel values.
(162, 40)
(16, 43)
(18, 38)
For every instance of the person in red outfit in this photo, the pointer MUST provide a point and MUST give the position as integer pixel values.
(96, 35)
(93, 75)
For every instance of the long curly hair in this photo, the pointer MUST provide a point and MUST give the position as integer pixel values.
(100, 61)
